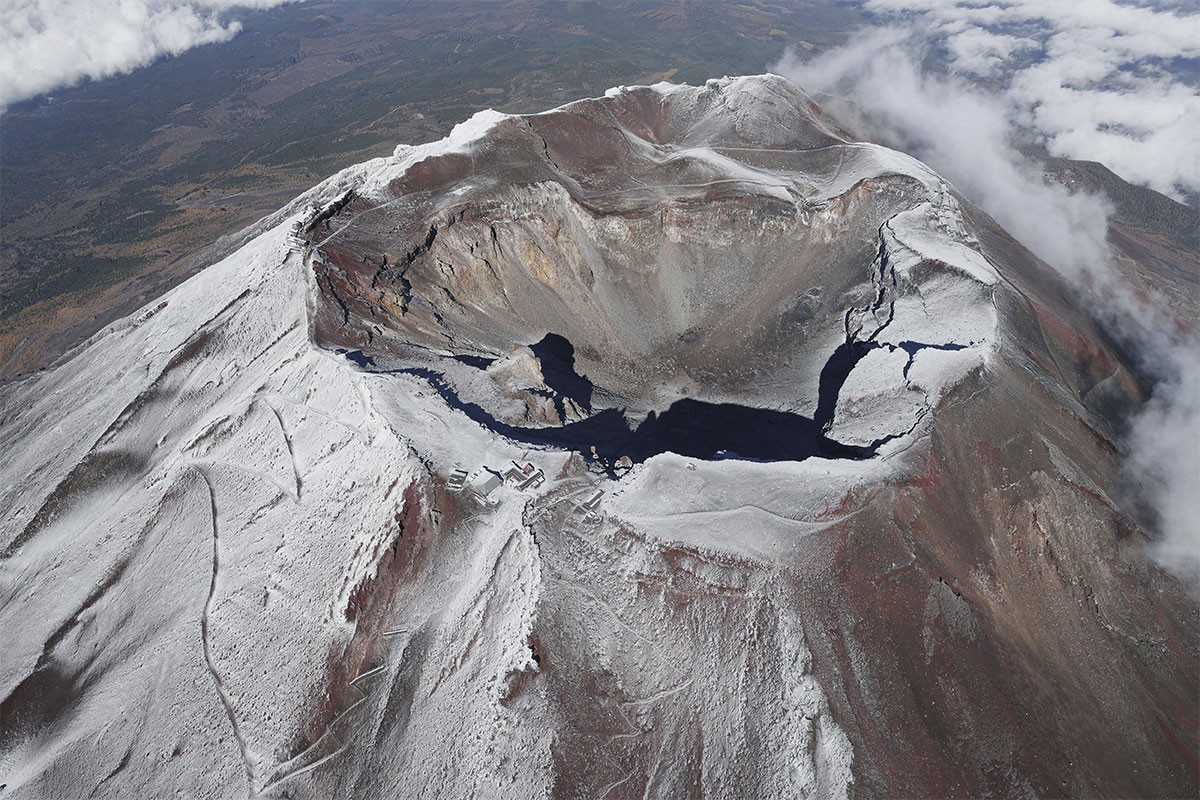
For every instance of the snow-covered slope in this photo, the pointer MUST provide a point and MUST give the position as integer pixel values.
(173, 579)
(252, 546)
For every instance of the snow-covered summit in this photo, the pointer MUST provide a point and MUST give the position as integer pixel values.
(664, 442)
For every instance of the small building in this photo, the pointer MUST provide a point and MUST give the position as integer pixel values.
(516, 474)
(593, 501)
(589, 506)
(457, 479)
(484, 482)
(524, 476)
(296, 239)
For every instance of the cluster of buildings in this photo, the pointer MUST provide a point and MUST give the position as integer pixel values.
(483, 482)
(589, 506)
(295, 238)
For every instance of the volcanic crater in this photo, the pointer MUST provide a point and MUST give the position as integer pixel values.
(631, 274)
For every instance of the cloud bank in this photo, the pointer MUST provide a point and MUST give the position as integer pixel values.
(1166, 457)
(966, 133)
(1096, 79)
(49, 44)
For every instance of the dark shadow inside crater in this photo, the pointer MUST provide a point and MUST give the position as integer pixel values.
(847, 355)
(478, 362)
(833, 376)
(725, 430)
(688, 427)
(556, 356)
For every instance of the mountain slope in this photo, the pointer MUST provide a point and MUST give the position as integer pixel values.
(821, 497)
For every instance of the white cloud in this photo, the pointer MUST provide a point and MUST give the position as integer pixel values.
(967, 135)
(964, 134)
(48, 44)
(1088, 91)
(1165, 458)
(980, 52)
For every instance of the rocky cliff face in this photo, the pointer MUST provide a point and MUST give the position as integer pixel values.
(809, 489)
